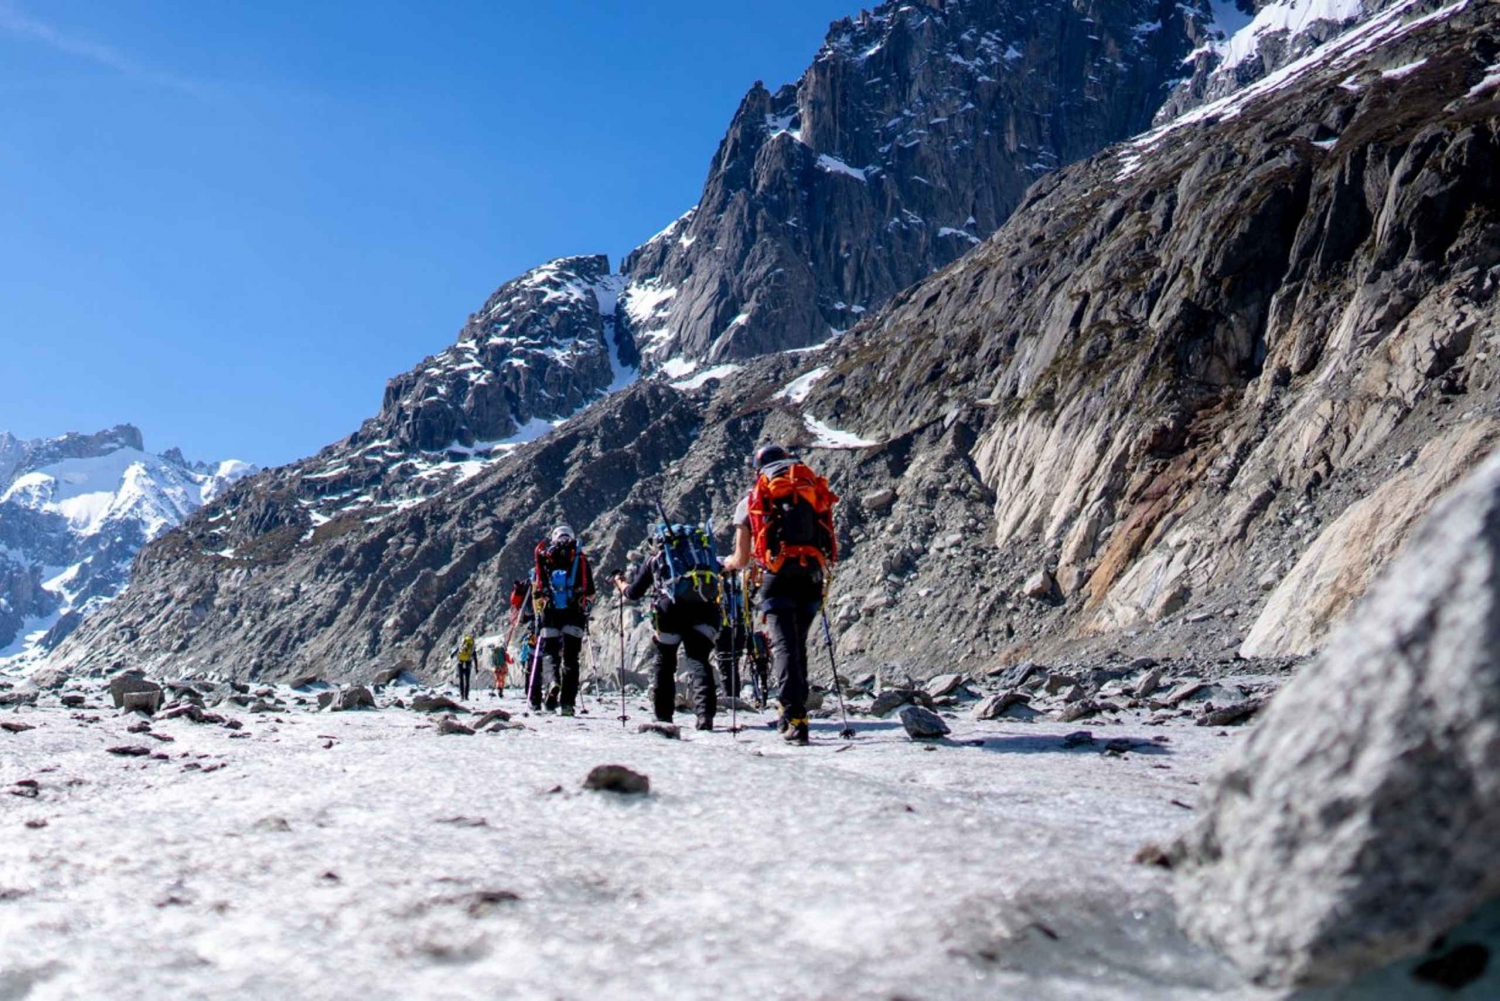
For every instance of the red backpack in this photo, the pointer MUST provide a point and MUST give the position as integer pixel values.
(791, 518)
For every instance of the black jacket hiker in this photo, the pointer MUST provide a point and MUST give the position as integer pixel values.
(693, 626)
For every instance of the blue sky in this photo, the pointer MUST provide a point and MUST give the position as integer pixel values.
(230, 222)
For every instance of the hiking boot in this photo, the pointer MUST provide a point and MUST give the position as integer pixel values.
(565, 711)
(796, 731)
(554, 696)
(705, 723)
(536, 707)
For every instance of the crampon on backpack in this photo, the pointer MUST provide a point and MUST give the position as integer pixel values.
(689, 569)
(791, 519)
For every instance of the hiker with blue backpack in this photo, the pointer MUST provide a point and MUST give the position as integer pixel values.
(683, 575)
(562, 589)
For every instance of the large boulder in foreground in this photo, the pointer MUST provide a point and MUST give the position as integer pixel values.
(1358, 822)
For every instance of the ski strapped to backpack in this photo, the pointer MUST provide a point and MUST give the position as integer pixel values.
(791, 518)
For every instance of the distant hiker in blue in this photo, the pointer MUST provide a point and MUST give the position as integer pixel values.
(562, 590)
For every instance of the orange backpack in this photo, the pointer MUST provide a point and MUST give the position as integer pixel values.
(791, 518)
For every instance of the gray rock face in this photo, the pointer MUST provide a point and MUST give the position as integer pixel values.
(1355, 824)
(909, 140)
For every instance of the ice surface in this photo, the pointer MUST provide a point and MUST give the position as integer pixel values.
(873, 869)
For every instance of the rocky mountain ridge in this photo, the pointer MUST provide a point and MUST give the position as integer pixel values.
(909, 140)
(74, 511)
(1185, 402)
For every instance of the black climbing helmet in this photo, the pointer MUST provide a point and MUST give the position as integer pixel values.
(767, 454)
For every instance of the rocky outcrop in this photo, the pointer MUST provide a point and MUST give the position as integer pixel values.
(908, 141)
(1179, 360)
(1353, 827)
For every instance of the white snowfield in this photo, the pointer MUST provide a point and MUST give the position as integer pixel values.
(395, 863)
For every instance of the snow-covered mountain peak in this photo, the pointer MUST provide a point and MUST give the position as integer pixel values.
(73, 512)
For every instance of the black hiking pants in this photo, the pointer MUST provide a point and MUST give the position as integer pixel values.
(465, 672)
(791, 605)
(733, 643)
(694, 629)
(561, 644)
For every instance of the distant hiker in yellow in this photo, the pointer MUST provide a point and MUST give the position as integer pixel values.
(465, 665)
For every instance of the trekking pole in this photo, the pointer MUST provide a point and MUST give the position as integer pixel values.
(848, 731)
(624, 716)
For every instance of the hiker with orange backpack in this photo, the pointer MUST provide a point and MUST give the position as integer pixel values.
(784, 526)
(500, 658)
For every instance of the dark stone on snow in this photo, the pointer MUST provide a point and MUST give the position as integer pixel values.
(923, 724)
(669, 730)
(436, 704)
(617, 778)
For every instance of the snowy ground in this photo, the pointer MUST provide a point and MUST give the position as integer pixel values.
(361, 855)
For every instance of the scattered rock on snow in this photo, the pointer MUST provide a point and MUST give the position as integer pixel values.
(346, 699)
(448, 726)
(50, 679)
(617, 778)
(668, 730)
(305, 681)
(129, 682)
(129, 751)
(1078, 738)
(922, 724)
(435, 704)
(1082, 709)
(1149, 684)
(995, 706)
(191, 711)
(490, 717)
(1231, 715)
(892, 699)
(943, 684)
(1014, 676)
(145, 702)
(13, 727)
